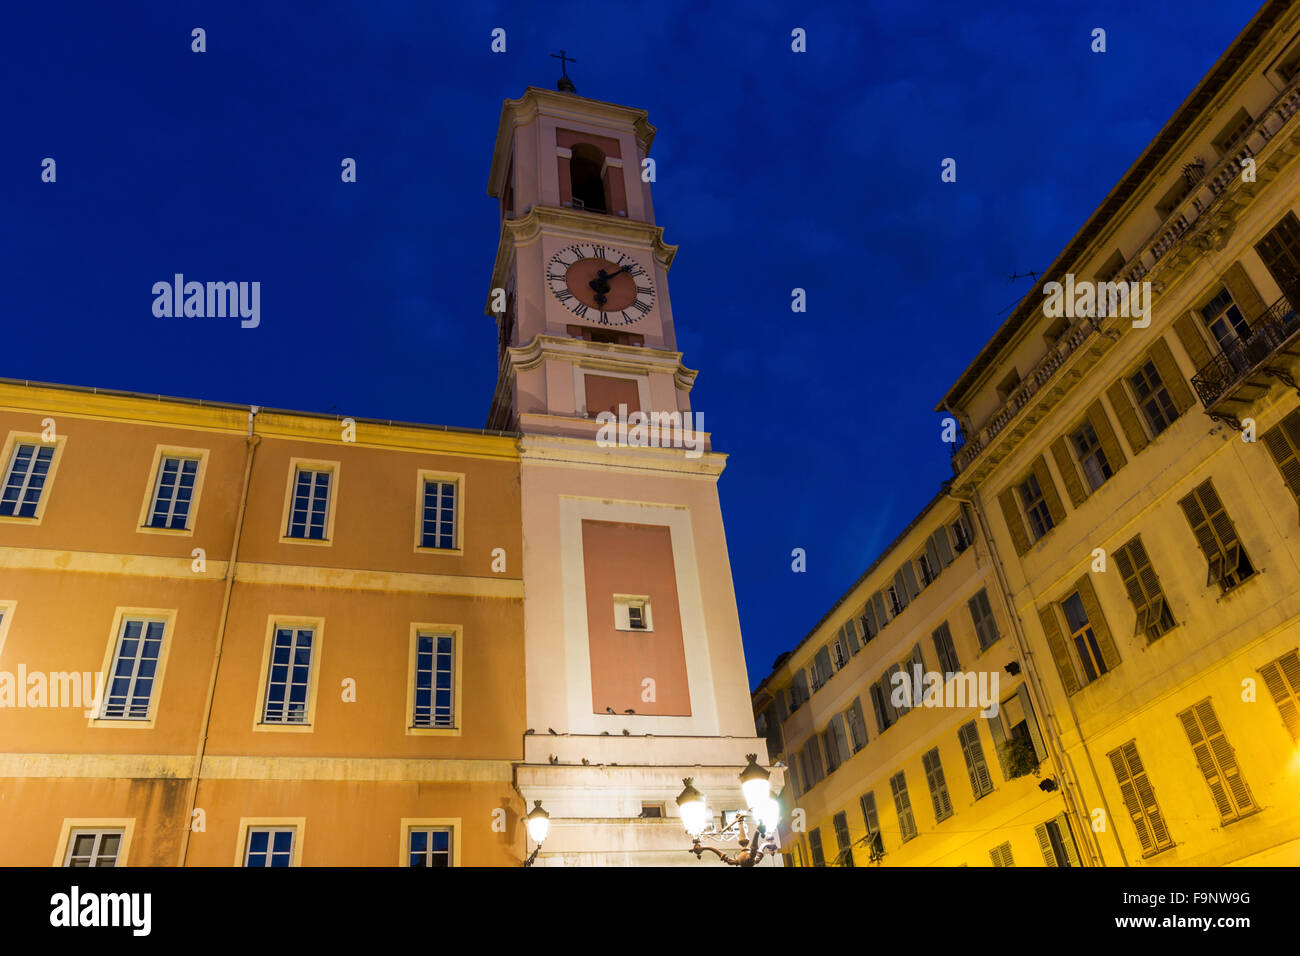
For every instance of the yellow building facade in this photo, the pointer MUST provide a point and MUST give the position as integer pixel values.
(1130, 465)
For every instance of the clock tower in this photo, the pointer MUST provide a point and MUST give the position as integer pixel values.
(635, 674)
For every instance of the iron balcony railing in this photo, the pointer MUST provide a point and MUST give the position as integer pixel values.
(1241, 356)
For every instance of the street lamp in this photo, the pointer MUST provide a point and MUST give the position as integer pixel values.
(538, 823)
(762, 812)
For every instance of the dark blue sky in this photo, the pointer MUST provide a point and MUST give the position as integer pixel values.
(775, 170)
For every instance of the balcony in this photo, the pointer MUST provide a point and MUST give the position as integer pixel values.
(1243, 371)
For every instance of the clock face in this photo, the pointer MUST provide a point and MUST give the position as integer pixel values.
(600, 284)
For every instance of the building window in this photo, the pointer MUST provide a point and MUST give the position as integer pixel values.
(1283, 444)
(1140, 799)
(93, 848)
(309, 511)
(928, 573)
(815, 844)
(1036, 510)
(25, 477)
(1233, 133)
(435, 680)
(938, 785)
(1084, 638)
(947, 652)
(798, 690)
(438, 516)
(632, 613)
(870, 626)
(1153, 616)
(981, 781)
(1056, 842)
(1016, 737)
(886, 716)
(1092, 459)
(430, 846)
(1225, 321)
(960, 535)
(981, 613)
(857, 725)
(1001, 855)
(269, 846)
(1282, 678)
(896, 604)
(843, 840)
(837, 748)
(1217, 761)
(586, 178)
(652, 811)
(134, 669)
(1217, 537)
(1153, 398)
(822, 669)
(902, 804)
(173, 493)
(288, 682)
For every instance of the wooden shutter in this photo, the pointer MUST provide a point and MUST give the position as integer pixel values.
(938, 785)
(1189, 333)
(1031, 721)
(1132, 586)
(1283, 444)
(1001, 855)
(1243, 292)
(906, 822)
(943, 546)
(1139, 797)
(878, 705)
(882, 615)
(1048, 486)
(981, 613)
(999, 736)
(1109, 652)
(1069, 471)
(1100, 423)
(1067, 839)
(869, 817)
(1179, 391)
(1045, 844)
(869, 625)
(900, 590)
(1282, 678)
(1205, 539)
(1127, 415)
(977, 768)
(1015, 523)
(1141, 583)
(860, 720)
(943, 645)
(1060, 652)
(909, 578)
(1216, 760)
(851, 635)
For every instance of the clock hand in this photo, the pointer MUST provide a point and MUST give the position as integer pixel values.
(603, 277)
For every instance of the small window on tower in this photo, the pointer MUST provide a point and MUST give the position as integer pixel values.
(586, 176)
(632, 613)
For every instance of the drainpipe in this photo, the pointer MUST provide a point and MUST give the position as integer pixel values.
(250, 443)
(1060, 760)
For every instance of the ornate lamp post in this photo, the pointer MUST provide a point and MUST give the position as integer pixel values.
(538, 823)
(762, 813)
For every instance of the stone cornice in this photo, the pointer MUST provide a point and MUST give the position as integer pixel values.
(562, 450)
(615, 358)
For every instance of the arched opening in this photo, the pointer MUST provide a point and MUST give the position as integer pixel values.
(585, 179)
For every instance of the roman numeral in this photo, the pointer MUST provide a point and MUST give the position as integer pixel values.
(554, 277)
(564, 295)
(644, 290)
(580, 311)
(598, 252)
(626, 320)
(604, 319)
(640, 306)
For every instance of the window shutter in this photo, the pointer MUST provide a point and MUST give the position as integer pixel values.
(869, 625)
(1283, 444)
(1067, 838)
(938, 786)
(882, 616)
(891, 684)
(977, 768)
(1243, 292)
(981, 613)
(1205, 539)
(1132, 586)
(943, 546)
(1106, 435)
(1015, 523)
(1045, 844)
(916, 664)
(999, 736)
(1175, 384)
(900, 589)
(1216, 760)
(909, 578)
(1069, 471)
(1109, 653)
(1127, 415)
(1060, 653)
(1189, 334)
(943, 646)
(869, 817)
(851, 636)
(932, 554)
(877, 704)
(1050, 494)
(1139, 797)
(860, 723)
(822, 666)
(1282, 678)
(814, 751)
(1031, 721)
